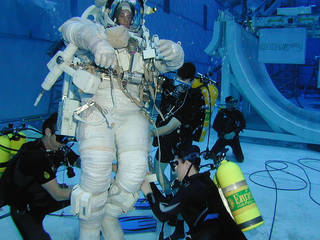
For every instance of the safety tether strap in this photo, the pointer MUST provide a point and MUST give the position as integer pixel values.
(89, 104)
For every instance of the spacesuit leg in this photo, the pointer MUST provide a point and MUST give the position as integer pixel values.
(133, 145)
(97, 152)
(90, 229)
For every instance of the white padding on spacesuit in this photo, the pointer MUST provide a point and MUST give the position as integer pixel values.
(171, 55)
(132, 132)
(111, 228)
(119, 200)
(132, 167)
(86, 81)
(82, 32)
(96, 169)
(85, 204)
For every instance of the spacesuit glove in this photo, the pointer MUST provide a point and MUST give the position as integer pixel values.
(170, 52)
(104, 54)
(229, 136)
(145, 187)
(118, 36)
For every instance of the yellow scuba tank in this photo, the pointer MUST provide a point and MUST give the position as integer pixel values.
(4, 153)
(243, 207)
(210, 94)
(16, 141)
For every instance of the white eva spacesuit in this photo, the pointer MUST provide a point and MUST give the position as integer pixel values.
(114, 127)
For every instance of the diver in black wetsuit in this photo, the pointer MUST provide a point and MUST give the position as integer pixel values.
(197, 199)
(29, 184)
(228, 123)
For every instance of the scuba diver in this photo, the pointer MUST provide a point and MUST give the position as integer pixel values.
(182, 107)
(179, 104)
(197, 200)
(29, 184)
(228, 123)
(115, 127)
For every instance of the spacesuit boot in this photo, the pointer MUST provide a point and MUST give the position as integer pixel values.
(120, 201)
(111, 228)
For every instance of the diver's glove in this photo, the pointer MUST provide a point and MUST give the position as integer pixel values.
(104, 54)
(229, 136)
(171, 54)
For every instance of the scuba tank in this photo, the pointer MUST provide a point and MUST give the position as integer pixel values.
(210, 94)
(4, 152)
(16, 141)
(236, 192)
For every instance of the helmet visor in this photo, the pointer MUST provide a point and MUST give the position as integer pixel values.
(135, 9)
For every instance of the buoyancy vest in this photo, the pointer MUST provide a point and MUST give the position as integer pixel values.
(13, 185)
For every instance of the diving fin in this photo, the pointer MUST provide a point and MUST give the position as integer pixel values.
(5, 211)
(138, 224)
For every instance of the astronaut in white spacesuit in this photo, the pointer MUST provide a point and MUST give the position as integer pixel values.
(114, 127)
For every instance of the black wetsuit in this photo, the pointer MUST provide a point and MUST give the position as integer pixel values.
(228, 121)
(187, 107)
(35, 166)
(199, 202)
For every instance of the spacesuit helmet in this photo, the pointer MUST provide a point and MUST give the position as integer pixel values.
(136, 7)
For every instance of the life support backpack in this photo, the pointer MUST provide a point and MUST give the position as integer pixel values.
(203, 114)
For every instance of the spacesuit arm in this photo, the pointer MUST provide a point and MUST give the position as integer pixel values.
(171, 56)
(172, 125)
(82, 32)
(90, 36)
(58, 193)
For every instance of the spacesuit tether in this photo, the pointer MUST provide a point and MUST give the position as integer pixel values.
(115, 67)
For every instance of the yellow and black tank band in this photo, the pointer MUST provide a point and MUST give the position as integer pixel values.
(250, 222)
(234, 186)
